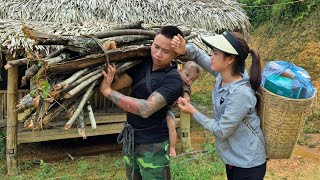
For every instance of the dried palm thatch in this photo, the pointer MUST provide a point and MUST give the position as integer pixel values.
(210, 15)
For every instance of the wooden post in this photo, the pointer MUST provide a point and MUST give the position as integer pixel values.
(12, 119)
(185, 131)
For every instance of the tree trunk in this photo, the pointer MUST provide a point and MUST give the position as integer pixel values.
(99, 59)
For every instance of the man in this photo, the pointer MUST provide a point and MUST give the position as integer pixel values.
(155, 85)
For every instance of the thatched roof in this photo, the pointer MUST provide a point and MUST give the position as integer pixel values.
(207, 14)
(77, 17)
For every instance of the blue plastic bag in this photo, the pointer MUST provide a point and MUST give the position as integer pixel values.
(286, 79)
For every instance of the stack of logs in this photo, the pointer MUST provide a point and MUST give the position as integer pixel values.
(65, 80)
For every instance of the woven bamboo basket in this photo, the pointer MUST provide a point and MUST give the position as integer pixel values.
(282, 120)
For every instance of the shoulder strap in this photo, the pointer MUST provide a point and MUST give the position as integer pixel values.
(249, 126)
(148, 79)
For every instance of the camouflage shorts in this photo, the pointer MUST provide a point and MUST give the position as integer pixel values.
(150, 161)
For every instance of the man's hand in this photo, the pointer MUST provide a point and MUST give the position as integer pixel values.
(178, 45)
(105, 86)
(185, 106)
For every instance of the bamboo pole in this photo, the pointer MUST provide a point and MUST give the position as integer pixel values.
(12, 120)
(68, 81)
(185, 131)
(91, 116)
(83, 101)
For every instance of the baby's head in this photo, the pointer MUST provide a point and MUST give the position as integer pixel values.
(190, 72)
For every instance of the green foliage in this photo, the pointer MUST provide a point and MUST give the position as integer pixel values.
(312, 124)
(304, 139)
(82, 167)
(204, 165)
(45, 89)
(260, 11)
(3, 134)
(45, 171)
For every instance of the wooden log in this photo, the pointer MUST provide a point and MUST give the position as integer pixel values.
(81, 125)
(17, 62)
(84, 99)
(30, 72)
(99, 59)
(82, 44)
(25, 114)
(56, 94)
(132, 25)
(84, 84)
(113, 33)
(123, 40)
(24, 103)
(57, 59)
(91, 116)
(70, 80)
(12, 121)
(185, 132)
(23, 61)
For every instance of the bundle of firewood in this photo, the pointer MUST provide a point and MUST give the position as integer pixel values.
(64, 80)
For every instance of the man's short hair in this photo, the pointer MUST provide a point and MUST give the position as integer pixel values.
(170, 31)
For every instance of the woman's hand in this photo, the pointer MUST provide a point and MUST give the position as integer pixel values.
(185, 106)
(178, 45)
(105, 86)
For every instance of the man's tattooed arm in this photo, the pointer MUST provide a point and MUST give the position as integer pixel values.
(141, 107)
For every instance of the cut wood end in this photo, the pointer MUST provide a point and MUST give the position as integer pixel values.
(28, 124)
(109, 45)
(67, 96)
(57, 87)
(82, 132)
(66, 127)
(36, 101)
(7, 66)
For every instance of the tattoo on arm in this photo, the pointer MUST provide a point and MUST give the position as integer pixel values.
(141, 107)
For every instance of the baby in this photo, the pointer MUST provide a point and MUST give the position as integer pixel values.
(190, 72)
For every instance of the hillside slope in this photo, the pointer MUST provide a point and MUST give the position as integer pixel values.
(297, 42)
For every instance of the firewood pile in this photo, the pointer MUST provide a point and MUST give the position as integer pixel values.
(63, 81)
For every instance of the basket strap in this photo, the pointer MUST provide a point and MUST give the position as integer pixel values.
(248, 125)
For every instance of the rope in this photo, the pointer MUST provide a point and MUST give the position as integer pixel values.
(270, 5)
(126, 137)
(103, 49)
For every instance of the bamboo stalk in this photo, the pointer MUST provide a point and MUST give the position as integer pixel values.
(85, 83)
(91, 116)
(55, 94)
(85, 98)
(71, 79)
(81, 125)
(78, 88)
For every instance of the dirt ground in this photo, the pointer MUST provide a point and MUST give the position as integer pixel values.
(304, 163)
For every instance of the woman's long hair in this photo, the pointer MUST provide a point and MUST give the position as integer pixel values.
(255, 69)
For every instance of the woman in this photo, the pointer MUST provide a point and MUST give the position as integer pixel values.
(236, 125)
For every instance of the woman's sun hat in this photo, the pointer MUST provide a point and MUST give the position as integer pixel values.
(227, 43)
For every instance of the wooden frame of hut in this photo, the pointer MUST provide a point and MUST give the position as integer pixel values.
(80, 18)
